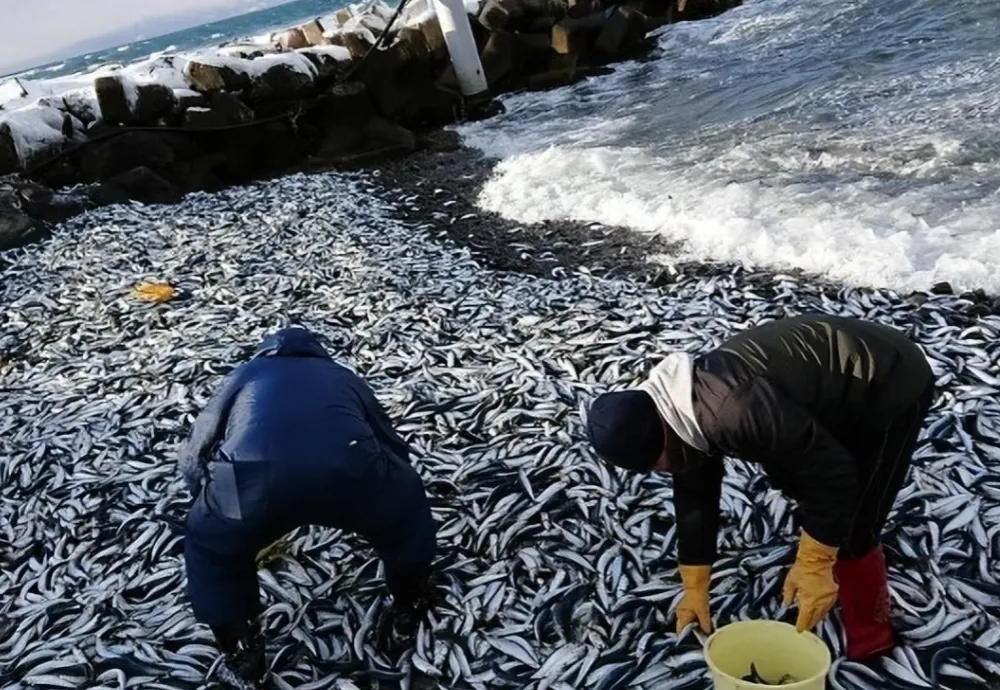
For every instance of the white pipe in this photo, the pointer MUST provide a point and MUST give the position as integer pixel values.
(461, 44)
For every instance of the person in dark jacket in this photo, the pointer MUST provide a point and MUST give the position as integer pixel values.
(292, 438)
(830, 408)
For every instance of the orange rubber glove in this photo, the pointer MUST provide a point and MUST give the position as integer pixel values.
(694, 604)
(810, 582)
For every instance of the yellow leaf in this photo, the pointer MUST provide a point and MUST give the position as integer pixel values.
(153, 292)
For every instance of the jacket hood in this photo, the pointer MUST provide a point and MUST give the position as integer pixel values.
(670, 386)
(291, 342)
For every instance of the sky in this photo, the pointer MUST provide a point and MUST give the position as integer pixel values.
(37, 30)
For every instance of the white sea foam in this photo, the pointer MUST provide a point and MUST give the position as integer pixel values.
(879, 165)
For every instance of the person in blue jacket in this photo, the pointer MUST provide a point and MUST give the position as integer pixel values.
(292, 438)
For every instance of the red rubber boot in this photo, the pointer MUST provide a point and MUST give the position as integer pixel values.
(864, 604)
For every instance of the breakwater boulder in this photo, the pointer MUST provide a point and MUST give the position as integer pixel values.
(309, 96)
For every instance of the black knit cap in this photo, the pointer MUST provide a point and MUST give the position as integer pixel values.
(625, 430)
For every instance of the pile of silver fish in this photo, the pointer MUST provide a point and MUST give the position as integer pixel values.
(555, 572)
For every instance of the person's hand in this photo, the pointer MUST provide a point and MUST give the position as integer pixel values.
(810, 582)
(694, 604)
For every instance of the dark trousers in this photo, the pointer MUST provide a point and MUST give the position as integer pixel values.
(883, 457)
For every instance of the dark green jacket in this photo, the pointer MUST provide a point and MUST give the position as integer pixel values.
(790, 395)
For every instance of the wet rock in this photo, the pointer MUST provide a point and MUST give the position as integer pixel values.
(440, 140)
(412, 45)
(355, 42)
(660, 11)
(542, 24)
(231, 109)
(189, 99)
(280, 82)
(138, 184)
(623, 31)
(942, 288)
(553, 78)
(81, 106)
(403, 89)
(507, 58)
(573, 36)
(198, 174)
(25, 208)
(346, 144)
(9, 160)
(17, 229)
(328, 67)
(577, 9)
(502, 62)
(113, 100)
(496, 15)
(431, 29)
(347, 101)
(692, 10)
(208, 78)
(106, 159)
(122, 102)
(153, 102)
(199, 117)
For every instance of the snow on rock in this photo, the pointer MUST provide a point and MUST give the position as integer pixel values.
(11, 90)
(82, 104)
(131, 90)
(167, 70)
(247, 51)
(37, 115)
(258, 66)
(338, 53)
(36, 130)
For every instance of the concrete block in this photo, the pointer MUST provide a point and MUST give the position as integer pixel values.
(280, 82)
(154, 102)
(9, 160)
(313, 33)
(113, 101)
(434, 37)
(552, 79)
(496, 15)
(355, 41)
(412, 45)
(292, 39)
(624, 30)
(208, 78)
(572, 36)
(581, 8)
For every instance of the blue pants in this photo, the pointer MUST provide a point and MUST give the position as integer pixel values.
(220, 557)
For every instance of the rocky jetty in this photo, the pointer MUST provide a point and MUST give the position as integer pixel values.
(316, 96)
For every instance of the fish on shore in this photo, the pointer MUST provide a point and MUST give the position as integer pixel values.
(555, 571)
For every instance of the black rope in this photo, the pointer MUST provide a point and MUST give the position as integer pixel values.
(294, 116)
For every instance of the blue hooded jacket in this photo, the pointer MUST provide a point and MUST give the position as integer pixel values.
(292, 438)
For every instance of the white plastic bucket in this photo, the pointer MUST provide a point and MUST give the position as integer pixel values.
(774, 648)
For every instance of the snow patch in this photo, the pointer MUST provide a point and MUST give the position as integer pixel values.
(131, 90)
(258, 66)
(34, 130)
(11, 90)
(166, 70)
(336, 52)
